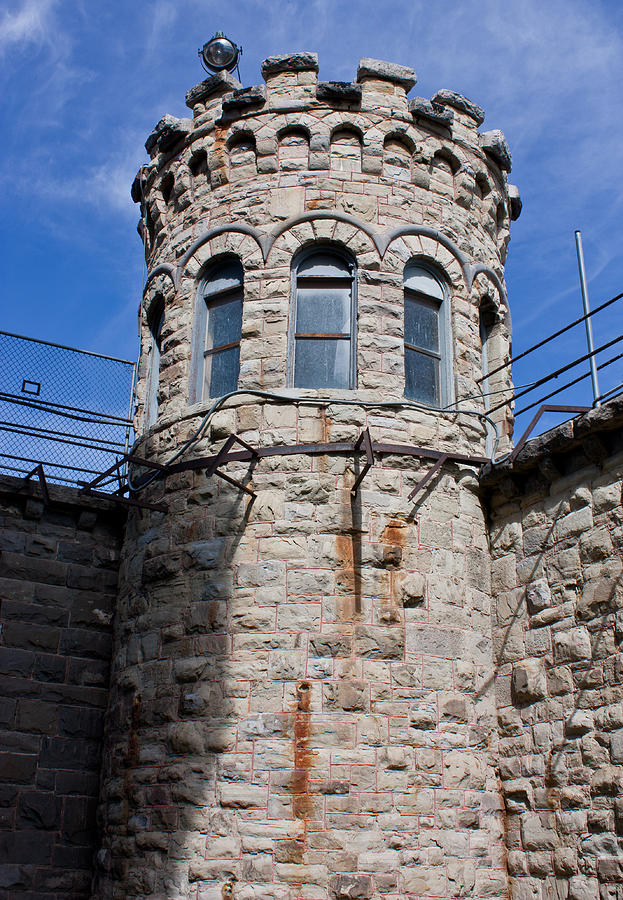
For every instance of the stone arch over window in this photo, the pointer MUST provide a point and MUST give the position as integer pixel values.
(217, 330)
(427, 337)
(397, 158)
(322, 349)
(293, 149)
(242, 156)
(345, 150)
(155, 324)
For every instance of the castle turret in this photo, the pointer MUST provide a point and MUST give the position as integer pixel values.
(302, 686)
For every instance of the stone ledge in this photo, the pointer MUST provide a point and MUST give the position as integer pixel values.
(289, 62)
(431, 112)
(244, 98)
(386, 71)
(333, 91)
(571, 435)
(494, 143)
(167, 133)
(60, 495)
(221, 83)
(445, 97)
(515, 201)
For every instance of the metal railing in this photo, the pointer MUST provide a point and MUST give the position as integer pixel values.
(553, 383)
(61, 408)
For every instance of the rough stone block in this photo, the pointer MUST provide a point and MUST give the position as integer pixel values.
(529, 683)
(339, 91)
(538, 595)
(494, 143)
(377, 69)
(445, 97)
(573, 645)
(289, 62)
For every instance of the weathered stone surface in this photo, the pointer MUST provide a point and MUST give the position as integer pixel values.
(339, 91)
(538, 595)
(168, 132)
(214, 86)
(289, 62)
(385, 71)
(458, 101)
(245, 98)
(572, 645)
(529, 683)
(494, 143)
(420, 108)
(515, 201)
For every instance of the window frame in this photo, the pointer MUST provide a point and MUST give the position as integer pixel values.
(327, 249)
(444, 329)
(204, 300)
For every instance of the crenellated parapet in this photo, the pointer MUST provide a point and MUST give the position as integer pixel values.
(238, 134)
(274, 168)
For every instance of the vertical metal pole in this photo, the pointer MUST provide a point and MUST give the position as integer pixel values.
(587, 322)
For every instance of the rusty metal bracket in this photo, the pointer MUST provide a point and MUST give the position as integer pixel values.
(546, 407)
(430, 474)
(38, 471)
(221, 458)
(364, 440)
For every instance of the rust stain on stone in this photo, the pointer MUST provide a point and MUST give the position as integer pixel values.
(348, 577)
(302, 801)
(218, 147)
(504, 823)
(395, 533)
(322, 462)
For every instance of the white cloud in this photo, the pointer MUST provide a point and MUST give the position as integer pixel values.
(31, 23)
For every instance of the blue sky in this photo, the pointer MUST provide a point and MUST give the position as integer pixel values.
(83, 83)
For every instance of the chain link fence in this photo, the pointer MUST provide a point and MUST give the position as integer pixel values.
(65, 409)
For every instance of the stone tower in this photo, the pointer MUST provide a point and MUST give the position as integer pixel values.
(302, 698)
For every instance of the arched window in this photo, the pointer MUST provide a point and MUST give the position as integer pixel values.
(155, 321)
(322, 346)
(218, 330)
(427, 333)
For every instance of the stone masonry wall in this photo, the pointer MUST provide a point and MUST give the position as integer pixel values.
(301, 691)
(58, 578)
(557, 548)
(302, 686)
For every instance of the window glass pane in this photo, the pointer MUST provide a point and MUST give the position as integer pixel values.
(224, 322)
(221, 372)
(421, 377)
(322, 364)
(324, 264)
(421, 323)
(226, 276)
(419, 279)
(322, 310)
